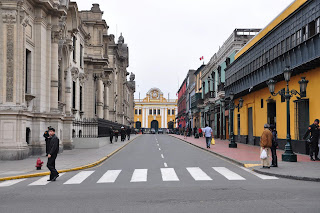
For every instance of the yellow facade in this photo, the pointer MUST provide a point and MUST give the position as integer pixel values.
(260, 114)
(154, 108)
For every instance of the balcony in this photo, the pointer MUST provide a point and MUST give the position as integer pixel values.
(195, 100)
(210, 94)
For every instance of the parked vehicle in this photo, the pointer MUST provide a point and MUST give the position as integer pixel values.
(153, 131)
(160, 131)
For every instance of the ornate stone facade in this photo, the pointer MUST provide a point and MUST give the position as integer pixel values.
(55, 67)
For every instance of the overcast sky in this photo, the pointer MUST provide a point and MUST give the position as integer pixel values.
(166, 38)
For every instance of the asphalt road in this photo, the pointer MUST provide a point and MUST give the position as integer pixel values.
(158, 173)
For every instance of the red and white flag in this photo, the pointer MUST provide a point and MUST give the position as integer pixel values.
(201, 58)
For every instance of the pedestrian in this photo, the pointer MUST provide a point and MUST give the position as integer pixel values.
(185, 133)
(47, 139)
(266, 144)
(116, 135)
(52, 156)
(128, 133)
(208, 133)
(123, 133)
(195, 131)
(111, 134)
(274, 146)
(200, 132)
(314, 138)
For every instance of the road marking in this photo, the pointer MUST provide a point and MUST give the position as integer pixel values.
(159, 149)
(79, 178)
(198, 174)
(230, 175)
(251, 165)
(139, 175)
(43, 181)
(110, 176)
(162, 156)
(10, 182)
(263, 177)
(165, 165)
(168, 174)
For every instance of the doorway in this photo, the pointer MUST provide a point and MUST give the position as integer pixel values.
(138, 125)
(155, 125)
(272, 113)
(250, 126)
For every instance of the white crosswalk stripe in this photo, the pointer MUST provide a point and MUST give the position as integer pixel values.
(10, 182)
(139, 175)
(198, 174)
(109, 177)
(168, 174)
(79, 178)
(263, 177)
(230, 175)
(43, 181)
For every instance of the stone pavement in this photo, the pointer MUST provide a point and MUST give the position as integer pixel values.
(249, 156)
(66, 160)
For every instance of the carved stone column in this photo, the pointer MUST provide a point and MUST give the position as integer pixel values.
(107, 84)
(100, 103)
(54, 73)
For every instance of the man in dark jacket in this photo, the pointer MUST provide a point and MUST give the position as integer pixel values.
(116, 134)
(128, 133)
(54, 149)
(123, 133)
(111, 134)
(314, 131)
(274, 146)
(47, 139)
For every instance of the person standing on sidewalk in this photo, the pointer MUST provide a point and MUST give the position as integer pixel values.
(111, 134)
(116, 134)
(314, 131)
(274, 146)
(200, 132)
(128, 133)
(54, 149)
(123, 133)
(47, 139)
(266, 144)
(208, 134)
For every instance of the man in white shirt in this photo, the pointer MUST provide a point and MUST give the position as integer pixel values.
(208, 134)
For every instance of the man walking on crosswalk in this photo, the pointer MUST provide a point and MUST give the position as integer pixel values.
(53, 152)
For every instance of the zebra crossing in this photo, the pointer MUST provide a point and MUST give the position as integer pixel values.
(141, 175)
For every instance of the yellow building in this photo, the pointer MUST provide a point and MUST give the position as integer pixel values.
(266, 57)
(155, 111)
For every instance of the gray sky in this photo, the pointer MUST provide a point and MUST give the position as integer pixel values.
(166, 38)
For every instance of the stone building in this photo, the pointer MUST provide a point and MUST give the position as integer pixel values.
(55, 67)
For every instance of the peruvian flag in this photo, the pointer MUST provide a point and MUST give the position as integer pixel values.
(201, 58)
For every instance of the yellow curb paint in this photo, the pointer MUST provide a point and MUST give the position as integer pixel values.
(69, 170)
(251, 165)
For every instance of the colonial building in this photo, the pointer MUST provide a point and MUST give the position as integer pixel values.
(155, 111)
(214, 111)
(55, 67)
(290, 42)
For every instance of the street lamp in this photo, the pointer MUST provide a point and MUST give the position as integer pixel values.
(232, 143)
(288, 154)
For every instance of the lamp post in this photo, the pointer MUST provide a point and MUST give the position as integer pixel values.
(232, 143)
(288, 154)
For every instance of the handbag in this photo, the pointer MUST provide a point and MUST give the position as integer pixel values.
(263, 154)
(213, 142)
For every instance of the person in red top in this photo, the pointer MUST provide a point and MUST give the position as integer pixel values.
(200, 132)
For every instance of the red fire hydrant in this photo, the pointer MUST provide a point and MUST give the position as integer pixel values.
(39, 164)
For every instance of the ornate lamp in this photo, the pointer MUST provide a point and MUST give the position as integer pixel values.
(271, 84)
(303, 87)
(240, 103)
(287, 74)
(231, 94)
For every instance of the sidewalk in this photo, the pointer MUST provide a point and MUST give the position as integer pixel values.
(67, 160)
(249, 156)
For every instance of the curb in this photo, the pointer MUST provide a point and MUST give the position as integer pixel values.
(255, 170)
(71, 169)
